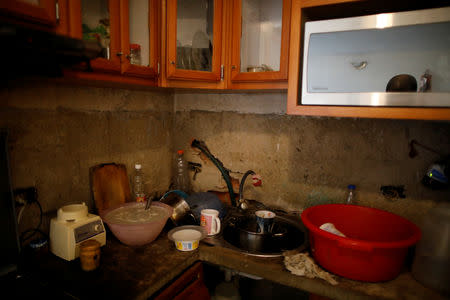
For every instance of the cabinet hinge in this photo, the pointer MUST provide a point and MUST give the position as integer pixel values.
(221, 72)
(57, 11)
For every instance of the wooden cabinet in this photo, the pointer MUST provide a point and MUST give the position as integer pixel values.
(189, 286)
(259, 43)
(140, 37)
(303, 10)
(41, 12)
(216, 44)
(192, 44)
(127, 31)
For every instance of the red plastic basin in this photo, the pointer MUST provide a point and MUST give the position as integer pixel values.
(375, 245)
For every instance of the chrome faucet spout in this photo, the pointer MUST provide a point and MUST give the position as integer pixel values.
(242, 204)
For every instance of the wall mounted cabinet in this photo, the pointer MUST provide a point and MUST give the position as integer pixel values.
(216, 44)
(127, 31)
(194, 39)
(260, 43)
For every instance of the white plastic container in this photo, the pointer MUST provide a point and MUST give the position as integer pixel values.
(187, 237)
(431, 264)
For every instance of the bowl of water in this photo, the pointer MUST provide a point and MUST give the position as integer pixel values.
(133, 225)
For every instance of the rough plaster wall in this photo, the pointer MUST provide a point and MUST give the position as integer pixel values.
(58, 132)
(304, 160)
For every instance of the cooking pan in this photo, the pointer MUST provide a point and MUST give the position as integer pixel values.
(252, 240)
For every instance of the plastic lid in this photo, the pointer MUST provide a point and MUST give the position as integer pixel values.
(72, 212)
(135, 46)
(137, 166)
(180, 152)
(351, 186)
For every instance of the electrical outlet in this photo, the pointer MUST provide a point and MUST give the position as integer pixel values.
(24, 196)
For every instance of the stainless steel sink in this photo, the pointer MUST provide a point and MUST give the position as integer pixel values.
(239, 233)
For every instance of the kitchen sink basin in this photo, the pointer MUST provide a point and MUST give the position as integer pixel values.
(240, 233)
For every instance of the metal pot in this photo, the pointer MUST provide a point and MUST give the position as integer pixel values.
(181, 209)
(251, 240)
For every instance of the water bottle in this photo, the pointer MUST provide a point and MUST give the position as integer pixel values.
(351, 194)
(138, 184)
(181, 178)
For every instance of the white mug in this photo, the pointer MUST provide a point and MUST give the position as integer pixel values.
(210, 221)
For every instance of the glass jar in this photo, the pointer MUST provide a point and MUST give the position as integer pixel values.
(135, 54)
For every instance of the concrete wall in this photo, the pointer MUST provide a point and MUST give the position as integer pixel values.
(304, 160)
(58, 132)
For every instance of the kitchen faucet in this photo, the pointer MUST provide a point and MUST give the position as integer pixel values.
(225, 172)
(242, 203)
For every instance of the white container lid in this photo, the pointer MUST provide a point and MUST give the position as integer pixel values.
(73, 212)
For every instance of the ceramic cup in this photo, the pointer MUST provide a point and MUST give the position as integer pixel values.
(264, 219)
(209, 219)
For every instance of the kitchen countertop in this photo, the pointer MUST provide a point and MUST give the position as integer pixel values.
(124, 273)
(402, 287)
(139, 272)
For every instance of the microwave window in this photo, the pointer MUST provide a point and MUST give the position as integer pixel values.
(412, 58)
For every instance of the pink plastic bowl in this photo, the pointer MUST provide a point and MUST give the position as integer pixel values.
(137, 234)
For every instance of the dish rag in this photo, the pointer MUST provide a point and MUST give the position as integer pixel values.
(303, 265)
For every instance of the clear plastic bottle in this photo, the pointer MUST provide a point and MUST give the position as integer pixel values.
(181, 177)
(351, 194)
(138, 184)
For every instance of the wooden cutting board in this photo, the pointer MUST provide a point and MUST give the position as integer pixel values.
(110, 185)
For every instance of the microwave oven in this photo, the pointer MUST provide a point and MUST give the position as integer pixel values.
(392, 59)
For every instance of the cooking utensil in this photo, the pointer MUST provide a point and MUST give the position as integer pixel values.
(375, 246)
(251, 239)
(181, 210)
(110, 186)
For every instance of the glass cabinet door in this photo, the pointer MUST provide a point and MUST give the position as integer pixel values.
(139, 37)
(100, 22)
(260, 39)
(194, 39)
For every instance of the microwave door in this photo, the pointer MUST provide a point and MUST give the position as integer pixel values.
(363, 62)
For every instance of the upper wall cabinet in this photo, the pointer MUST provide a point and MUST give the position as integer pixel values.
(99, 20)
(140, 37)
(41, 12)
(216, 44)
(361, 59)
(194, 40)
(260, 43)
(126, 29)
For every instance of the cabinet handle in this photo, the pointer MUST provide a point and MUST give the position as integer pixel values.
(119, 53)
(233, 67)
(172, 62)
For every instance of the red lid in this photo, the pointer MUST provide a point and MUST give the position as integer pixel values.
(180, 152)
(135, 46)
